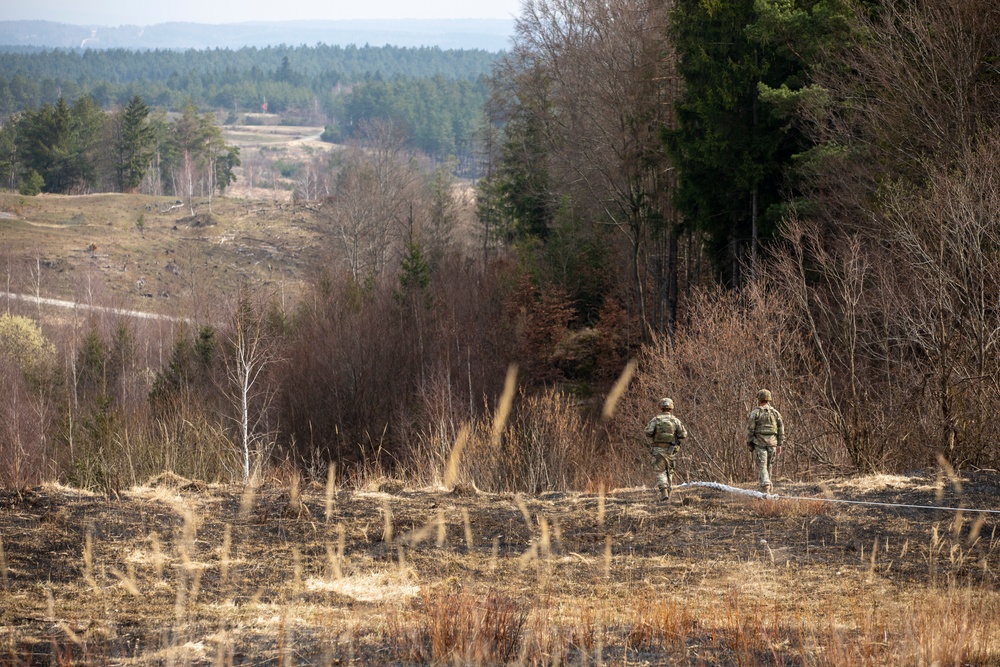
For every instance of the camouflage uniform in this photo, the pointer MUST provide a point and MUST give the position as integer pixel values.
(665, 431)
(765, 434)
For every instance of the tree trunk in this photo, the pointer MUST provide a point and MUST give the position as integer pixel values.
(672, 273)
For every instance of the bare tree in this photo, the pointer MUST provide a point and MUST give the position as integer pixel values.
(914, 89)
(945, 246)
(374, 195)
(313, 182)
(251, 354)
(253, 168)
(828, 287)
(893, 272)
(600, 78)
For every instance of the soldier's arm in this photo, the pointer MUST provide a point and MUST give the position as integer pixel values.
(751, 426)
(681, 432)
(781, 429)
(650, 429)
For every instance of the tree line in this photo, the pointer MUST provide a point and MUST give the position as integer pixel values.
(79, 148)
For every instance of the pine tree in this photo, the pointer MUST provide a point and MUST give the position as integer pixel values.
(134, 145)
(732, 146)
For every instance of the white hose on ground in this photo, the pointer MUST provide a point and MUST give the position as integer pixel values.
(731, 489)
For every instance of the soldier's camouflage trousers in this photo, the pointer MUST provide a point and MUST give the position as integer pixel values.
(664, 460)
(764, 458)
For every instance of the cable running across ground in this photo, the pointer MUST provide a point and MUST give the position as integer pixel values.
(775, 496)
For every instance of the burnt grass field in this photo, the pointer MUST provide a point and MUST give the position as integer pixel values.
(182, 573)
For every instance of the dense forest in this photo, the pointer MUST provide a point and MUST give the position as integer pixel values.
(78, 148)
(678, 198)
(436, 93)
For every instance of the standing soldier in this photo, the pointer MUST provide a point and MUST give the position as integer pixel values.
(665, 432)
(765, 437)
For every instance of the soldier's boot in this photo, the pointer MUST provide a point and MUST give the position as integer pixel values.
(768, 489)
(664, 494)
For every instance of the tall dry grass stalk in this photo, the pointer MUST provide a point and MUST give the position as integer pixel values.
(387, 533)
(442, 529)
(451, 470)
(335, 556)
(297, 570)
(331, 490)
(157, 556)
(341, 542)
(467, 525)
(3, 565)
(224, 556)
(247, 499)
(502, 412)
(600, 505)
(611, 402)
(50, 605)
(88, 560)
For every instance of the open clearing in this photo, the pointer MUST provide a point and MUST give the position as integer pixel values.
(274, 135)
(174, 572)
(147, 253)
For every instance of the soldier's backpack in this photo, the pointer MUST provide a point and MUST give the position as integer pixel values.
(666, 430)
(767, 421)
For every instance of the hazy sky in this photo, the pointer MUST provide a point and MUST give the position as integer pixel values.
(148, 12)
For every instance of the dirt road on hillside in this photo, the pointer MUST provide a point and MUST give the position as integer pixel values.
(73, 305)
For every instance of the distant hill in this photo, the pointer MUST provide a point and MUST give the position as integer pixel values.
(487, 34)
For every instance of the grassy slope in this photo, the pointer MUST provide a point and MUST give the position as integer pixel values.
(90, 249)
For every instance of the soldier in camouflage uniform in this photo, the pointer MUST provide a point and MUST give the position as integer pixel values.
(765, 437)
(665, 433)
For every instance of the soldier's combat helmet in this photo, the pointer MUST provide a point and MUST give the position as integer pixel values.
(763, 395)
(666, 404)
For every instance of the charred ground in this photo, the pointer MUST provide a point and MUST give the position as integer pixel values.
(182, 572)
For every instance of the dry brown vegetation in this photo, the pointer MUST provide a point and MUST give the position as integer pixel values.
(177, 572)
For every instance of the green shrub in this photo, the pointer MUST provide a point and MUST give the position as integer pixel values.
(32, 185)
(23, 344)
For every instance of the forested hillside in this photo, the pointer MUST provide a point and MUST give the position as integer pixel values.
(677, 198)
(416, 87)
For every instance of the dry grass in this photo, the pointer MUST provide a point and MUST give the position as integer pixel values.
(790, 507)
(173, 574)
